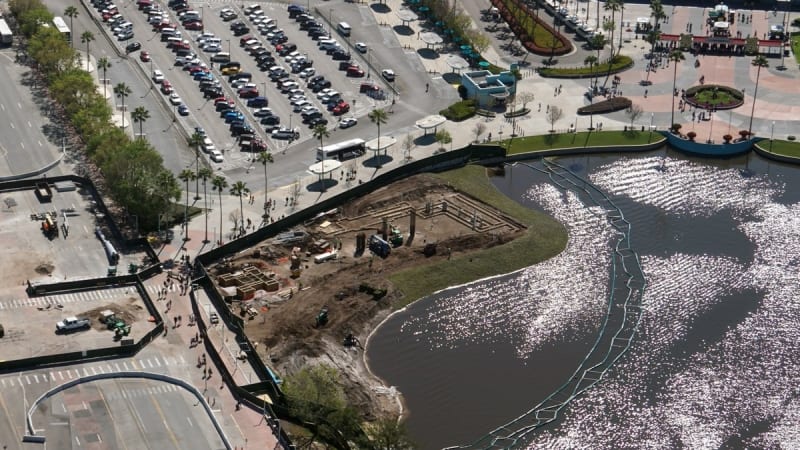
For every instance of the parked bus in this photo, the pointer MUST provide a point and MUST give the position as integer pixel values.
(342, 151)
(6, 37)
(62, 28)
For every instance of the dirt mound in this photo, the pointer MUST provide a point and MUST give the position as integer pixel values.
(44, 269)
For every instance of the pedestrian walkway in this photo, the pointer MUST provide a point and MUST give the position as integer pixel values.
(93, 295)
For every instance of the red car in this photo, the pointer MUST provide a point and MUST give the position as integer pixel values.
(341, 108)
(248, 93)
(181, 46)
(164, 24)
(245, 39)
(144, 56)
(220, 100)
(355, 71)
(194, 25)
(196, 69)
(166, 87)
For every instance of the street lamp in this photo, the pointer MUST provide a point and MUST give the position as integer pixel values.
(771, 135)
(369, 61)
(229, 45)
(651, 128)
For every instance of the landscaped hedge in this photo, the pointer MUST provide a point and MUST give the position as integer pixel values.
(606, 106)
(619, 64)
(534, 34)
(736, 96)
(459, 111)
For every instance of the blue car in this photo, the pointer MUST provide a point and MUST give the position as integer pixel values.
(233, 116)
(183, 110)
(257, 102)
(203, 76)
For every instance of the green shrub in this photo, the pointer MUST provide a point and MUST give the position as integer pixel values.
(618, 64)
(460, 110)
(606, 106)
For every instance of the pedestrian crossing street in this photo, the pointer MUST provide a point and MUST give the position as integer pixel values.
(81, 297)
(152, 364)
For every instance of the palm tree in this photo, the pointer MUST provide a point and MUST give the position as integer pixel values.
(759, 61)
(264, 158)
(87, 37)
(140, 115)
(621, 22)
(613, 6)
(71, 12)
(240, 189)
(320, 131)
(186, 175)
(675, 57)
(121, 90)
(590, 61)
(196, 140)
(104, 64)
(219, 184)
(204, 174)
(657, 11)
(378, 117)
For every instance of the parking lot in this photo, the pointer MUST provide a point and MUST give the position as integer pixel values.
(275, 21)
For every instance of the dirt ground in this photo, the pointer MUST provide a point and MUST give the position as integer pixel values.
(283, 322)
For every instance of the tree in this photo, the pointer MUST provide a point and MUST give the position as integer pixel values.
(621, 24)
(480, 42)
(378, 117)
(634, 112)
(168, 189)
(32, 19)
(590, 61)
(204, 174)
(675, 57)
(195, 141)
(51, 52)
(320, 131)
(388, 433)
(479, 129)
(759, 61)
(553, 116)
(443, 137)
(219, 184)
(121, 90)
(186, 176)
(657, 11)
(239, 189)
(408, 144)
(613, 6)
(104, 64)
(140, 116)
(525, 98)
(87, 37)
(71, 12)
(265, 158)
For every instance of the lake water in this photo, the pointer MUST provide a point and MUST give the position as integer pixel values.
(715, 361)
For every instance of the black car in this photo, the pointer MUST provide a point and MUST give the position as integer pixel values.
(241, 31)
(264, 57)
(223, 106)
(306, 24)
(343, 65)
(340, 55)
(213, 92)
(271, 120)
(132, 47)
(277, 76)
(318, 121)
(279, 40)
(316, 87)
(242, 129)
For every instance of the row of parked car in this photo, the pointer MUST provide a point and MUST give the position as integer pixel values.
(120, 28)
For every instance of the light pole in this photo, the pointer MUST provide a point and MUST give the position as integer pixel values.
(369, 61)
(229, 45)
(771, 135)
(711, 127)
(651, 128)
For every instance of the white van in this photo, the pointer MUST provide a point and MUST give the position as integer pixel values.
(344, 28)
(221, 57)
(329, 43)
(322, 42)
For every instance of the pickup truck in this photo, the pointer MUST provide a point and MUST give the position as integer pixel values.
(71, 324)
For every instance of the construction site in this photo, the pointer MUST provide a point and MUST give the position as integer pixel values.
(315, 292)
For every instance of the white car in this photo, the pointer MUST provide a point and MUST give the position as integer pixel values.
(388, 74)
(324, 92)
(361, 47)
(158, 76)
(300, 105)
(208, 146)
(175, 99)
(308, 72)
(348, 122)
(216, 156)
(205, 35)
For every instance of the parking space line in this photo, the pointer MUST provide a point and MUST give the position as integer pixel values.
(3, 380)
(94, 372)
(117, 367)
(124, 364)
(36, 378)
(158, 363)
(60, 375)
(28, 380)
(86, 372)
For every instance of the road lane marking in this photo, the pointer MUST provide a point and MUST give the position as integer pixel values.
(40, 143)
(3, 106)
(78, 441)
(188, 419)
(29, 124)
(13, 428)
(22, 144)
(19, 105)
(12, 125)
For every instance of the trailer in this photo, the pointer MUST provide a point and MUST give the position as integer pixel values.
(6, 37)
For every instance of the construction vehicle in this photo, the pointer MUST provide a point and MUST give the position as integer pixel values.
(121, 331)
(50, 226)
(379, 246)
(111, 320)
(322, 317)
(396, 238)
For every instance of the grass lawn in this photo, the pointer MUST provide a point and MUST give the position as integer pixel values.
(544, 239)
(784, 148)
(582, 139)
(796, 46)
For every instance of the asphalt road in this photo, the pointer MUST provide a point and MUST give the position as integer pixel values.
(28, 140)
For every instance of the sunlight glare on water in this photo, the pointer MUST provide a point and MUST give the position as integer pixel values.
(716, 361)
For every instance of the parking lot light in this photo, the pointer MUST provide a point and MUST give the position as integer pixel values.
(229, 45)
